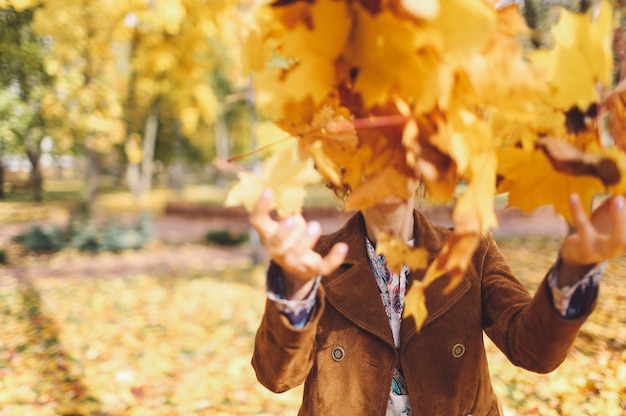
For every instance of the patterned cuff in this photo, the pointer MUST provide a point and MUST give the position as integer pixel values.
(297, 311)
(575, 301)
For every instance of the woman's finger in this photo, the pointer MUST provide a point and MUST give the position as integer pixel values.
(579, 215)
(333, 259)
(618, 220)
(313, 233)
(289, 235)
(260, 217)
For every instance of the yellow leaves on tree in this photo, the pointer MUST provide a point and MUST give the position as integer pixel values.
(442, 91)
(18, 5)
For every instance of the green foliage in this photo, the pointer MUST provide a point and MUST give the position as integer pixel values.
(3, 256)
(81, 235)
(118, 237)
(21, 50)
(226, 238)
(42, 239)
(85, 238)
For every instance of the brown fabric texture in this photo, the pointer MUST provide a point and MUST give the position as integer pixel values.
(444, 365)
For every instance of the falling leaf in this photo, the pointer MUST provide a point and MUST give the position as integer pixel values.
(312, 35)
(583, 41)
(453, 259)
(284, 176)
(380, 39)
(399, 254)
(532, 182)
(415, 305)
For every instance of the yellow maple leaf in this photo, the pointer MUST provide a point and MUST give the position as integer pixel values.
(385, 183)
(329, 138)
(473, 211)
(415, 305)
(307, 38)
(583, 42)
(532, 182)
(271, 138)
(399, 254)
(463, 26)
(381, 39)
(284, 176)
(454, 258)
(377, 169)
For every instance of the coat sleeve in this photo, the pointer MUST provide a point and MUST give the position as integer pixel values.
(283, 355)
(528, 330)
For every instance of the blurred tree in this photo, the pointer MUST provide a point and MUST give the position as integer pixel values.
(174, 47)
(24, 81)
(84, 106)
(126, 70)
(14, 120)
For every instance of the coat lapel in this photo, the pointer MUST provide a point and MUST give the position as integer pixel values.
(432, 238)
(352, 289)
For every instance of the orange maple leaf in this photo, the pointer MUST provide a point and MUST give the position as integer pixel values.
(532, 181)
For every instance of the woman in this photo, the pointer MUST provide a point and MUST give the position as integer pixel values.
(325, 324)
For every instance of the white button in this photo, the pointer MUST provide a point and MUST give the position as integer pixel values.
(458, 350)
(338, 354)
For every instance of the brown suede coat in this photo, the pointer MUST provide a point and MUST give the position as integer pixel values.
(444, 364)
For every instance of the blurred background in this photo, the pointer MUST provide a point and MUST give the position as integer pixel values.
(126, 288)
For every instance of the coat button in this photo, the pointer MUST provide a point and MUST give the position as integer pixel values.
(338, 354)
(458, 350)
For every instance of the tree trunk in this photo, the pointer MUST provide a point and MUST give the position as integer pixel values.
(221, 149)
(132, 178)
(36, 177)
(1, 178)
(139, 175)
(1, 168)
(149, 141)
(92, 184)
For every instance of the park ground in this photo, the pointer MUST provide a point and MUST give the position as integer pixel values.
(168, 329)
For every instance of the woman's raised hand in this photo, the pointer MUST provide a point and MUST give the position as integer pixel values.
(289, 242)
(598, 238)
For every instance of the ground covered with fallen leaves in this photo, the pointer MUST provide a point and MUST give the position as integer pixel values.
(169, 330)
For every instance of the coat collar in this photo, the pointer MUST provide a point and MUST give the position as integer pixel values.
(350, 288)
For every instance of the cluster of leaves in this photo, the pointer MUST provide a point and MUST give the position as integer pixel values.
(380, 93)
(148, 344)
(83, 236)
